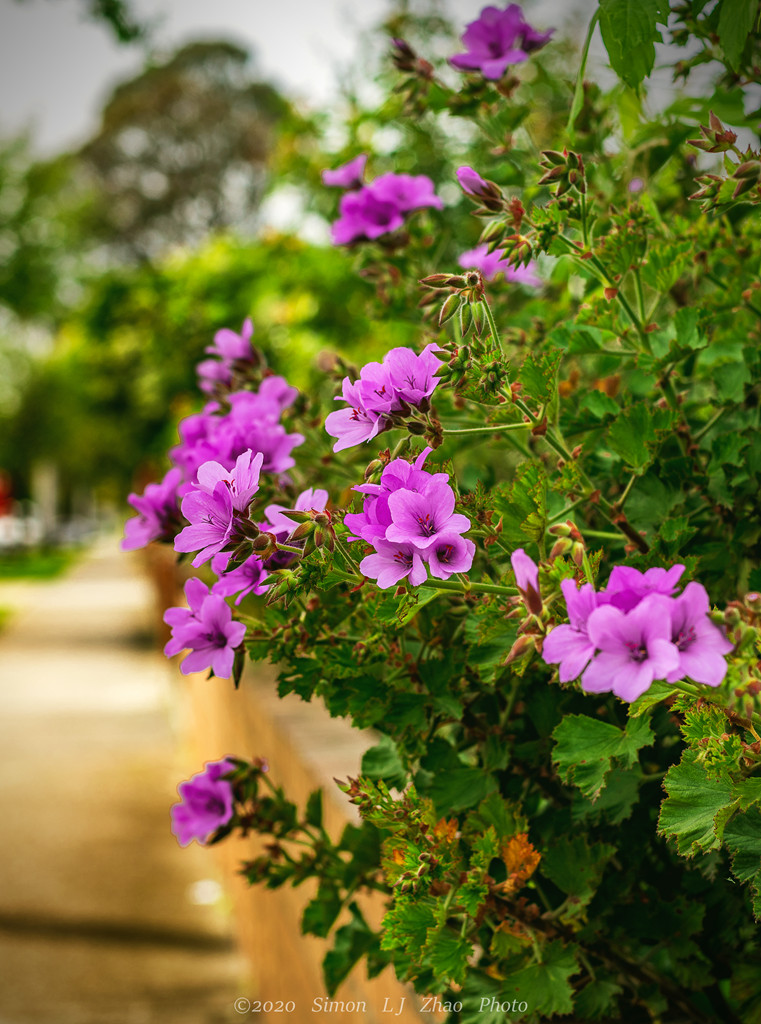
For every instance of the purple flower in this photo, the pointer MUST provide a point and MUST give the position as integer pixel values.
(491, 264)
(230, 349)
(230, 346)
(242, 480)
(628, 586)
(569, 645)
(375, 518)
(211, 522)
(248, 578)
(472, 183)
(390, 563)
(364, 215)
(348, 175)
(701, 644)
(158, 515)
(207, 629)
(496, 40)
(412, 376)
(449, 554)
(206, 803)
(420, 518)
(635, 648)
(353, 425)
(527, 579)
(380, 207)
(407, 191)
(404, 376)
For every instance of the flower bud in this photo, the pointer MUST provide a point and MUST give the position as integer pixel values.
(449, 308)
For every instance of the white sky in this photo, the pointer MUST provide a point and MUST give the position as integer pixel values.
(56, 68)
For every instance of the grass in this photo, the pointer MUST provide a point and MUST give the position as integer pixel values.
(39, 564)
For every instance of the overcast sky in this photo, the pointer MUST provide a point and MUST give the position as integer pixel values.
(56, 68)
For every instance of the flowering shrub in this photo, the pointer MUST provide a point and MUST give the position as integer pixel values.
(564, 805)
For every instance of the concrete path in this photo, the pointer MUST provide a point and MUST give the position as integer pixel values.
(104, 919)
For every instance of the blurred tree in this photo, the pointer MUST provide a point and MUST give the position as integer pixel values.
(119, 17)
(43, 226)
(182, 151)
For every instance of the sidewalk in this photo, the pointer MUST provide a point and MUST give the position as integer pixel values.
(103, 918)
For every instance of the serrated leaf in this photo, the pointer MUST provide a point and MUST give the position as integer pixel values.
(686, 327)
(545, 986)
(538, 375)
(600, 404)
(629, 31)
(736, 21)
(585, 749)
(743, 840)
(321, 912)
(352, 942)
(524, 505)
(575, 867)
(383, 762)
(656, 692)
(691, 816)
(629, 435)
(730, 380)
(447, 954)
(597, 1000)
(406, 925)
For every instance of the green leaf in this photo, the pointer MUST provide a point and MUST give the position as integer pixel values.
(743, 839)
(575, 867)
(460, 788)
(406, 925)
(447, 953)
(597, 1000)
(313, 811)
(629, 30)
(545, 986)
(657, 692)
(538, 375)
(731, 379)
(686, 327)
(494, 811)
(353, 941)
(585, 749)
(321, 912)
(383, 762)
(629, 435)
(736, 21)
(600, 404)
(691, 817)
(524, 506)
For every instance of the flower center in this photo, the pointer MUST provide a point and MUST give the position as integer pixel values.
(426, 523)
(404, 558)
(638, 651)
(684, 638)
(214, 806)
(445, 554)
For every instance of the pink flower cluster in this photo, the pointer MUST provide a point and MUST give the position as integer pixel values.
(231, 351)
(410, 521)
(367, 211)
(637, 630)
(403, 380)
(217, 466)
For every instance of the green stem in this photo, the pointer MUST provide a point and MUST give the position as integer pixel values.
(486, 429)
(707, 426)
(479, 588)
(602, 534)
(290, 547)
(349, 558)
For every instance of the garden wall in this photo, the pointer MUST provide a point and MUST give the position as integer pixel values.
(305, 749)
